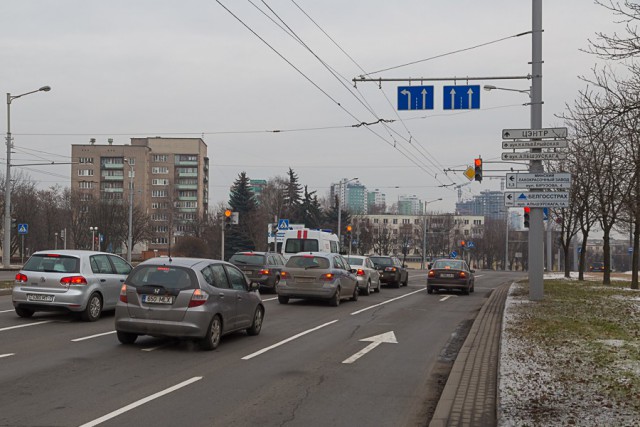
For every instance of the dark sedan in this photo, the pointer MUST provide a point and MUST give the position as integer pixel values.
(450, 274)
(261, 267)
(392, 271)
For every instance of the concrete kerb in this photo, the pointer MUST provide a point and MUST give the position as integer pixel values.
(470, 394)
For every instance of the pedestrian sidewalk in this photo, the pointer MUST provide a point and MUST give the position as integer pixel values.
(469, 397)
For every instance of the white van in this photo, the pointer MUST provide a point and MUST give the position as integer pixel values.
(306, 240)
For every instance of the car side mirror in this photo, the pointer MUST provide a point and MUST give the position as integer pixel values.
(473, 271)
(353, 270)
(430, 265)
(254, 286)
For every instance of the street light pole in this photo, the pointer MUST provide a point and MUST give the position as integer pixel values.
(6, 240)
(424, 233)
(506, 244)
(93, 237)
(130, 234)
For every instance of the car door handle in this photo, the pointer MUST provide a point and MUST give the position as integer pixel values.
(103, 280)
(221, 295)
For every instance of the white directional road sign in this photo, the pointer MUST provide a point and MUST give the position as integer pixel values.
(534, 133)
(525, 155)
(559, 199)
(545, 143)
(538, 180)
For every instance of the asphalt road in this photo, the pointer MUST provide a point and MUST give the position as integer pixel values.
(308, 367)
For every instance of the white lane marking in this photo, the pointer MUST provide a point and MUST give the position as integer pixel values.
(6, 311)
(264, 350)
(157, 347)
(25, 325)
(140, 402)
(270, 299)
(93, 336)
(387, 337)
(6, 355)
(446, 297)
(386, 302)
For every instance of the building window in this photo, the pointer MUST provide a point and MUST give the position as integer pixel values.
(477, 222)
(117, 161)
(160, 157)
(186, 158)
(406, 221)
(466, 222)
(159, 240)
(159, 182)
(385, 221)
(85, 172)
(160, 205)
(160, 170)
(159, 193)
(159, 217)
(160, 229)
(395, 220)
(117, 173)
(85, 160)
(85, 184)
(375, 220)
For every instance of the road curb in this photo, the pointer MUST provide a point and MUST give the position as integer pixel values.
(470, 394)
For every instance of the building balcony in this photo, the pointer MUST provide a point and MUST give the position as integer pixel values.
(113, 190)
(188, 198)
(112, 166)
(187, 186)
(187, 209)
(187, 174)
(113, 177)
(191, 163)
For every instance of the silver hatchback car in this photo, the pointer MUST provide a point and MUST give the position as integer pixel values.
(319, 275)
(193, 298)
(84, 282)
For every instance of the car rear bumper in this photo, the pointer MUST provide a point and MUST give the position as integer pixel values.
(311, 290)
(447, 284)
(69, 300)
(189, 327)
(389, 277)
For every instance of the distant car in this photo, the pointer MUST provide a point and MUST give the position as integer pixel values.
(450, 274)
(317, 275)
(392, 272)
(192, 298)
(261, 267)
(597, 266)
(368, 276)
(83, 282)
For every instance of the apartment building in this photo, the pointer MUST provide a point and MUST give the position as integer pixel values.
(169, 178)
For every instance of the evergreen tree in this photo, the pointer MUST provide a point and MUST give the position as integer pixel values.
(310, 210)
(241, 200)
(292, 200)
(331, 218)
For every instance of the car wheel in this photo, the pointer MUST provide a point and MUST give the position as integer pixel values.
(127, 337)
(397, 284)
(335, 299)
(406, 281)
(282, 299)
(257, 322)
(276, 283)
(94, 308)
(367, 290)
(429, 290)
(24, 312)
(356, 293)
(473, 287)
(378, 288)
(212, 339)
(465, 290)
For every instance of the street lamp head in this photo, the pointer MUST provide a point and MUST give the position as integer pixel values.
(45, 88)
(489, 87)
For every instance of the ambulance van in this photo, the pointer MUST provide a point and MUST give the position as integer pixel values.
(306, 240)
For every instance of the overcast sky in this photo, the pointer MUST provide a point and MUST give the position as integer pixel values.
(120, 69)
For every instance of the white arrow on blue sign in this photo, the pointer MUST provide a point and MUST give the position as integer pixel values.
(415, 98)
(23, 228)
(461, 97)
(453, 254)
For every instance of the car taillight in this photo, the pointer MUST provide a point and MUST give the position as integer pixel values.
(432, 273)
(123, 294)
(462, 275)
(390, 269)
(360, 272)
(327, 277)
(264, 271)
(73, 280)
(284, 274)
(22, 278)
(198, 298)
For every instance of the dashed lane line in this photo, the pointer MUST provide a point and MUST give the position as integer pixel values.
(8, 328)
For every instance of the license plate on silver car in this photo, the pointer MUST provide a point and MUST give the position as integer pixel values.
(447, 275)
(40, 298)
(157, 299)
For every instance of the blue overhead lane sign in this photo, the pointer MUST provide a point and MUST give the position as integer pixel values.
(415, 98)
(461, 97)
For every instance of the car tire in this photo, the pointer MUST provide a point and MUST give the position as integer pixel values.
(397, 284)
(406, 281)
(378, 288)
(282, 299)
(214, 332)
(356, 293)
(335, 299)
(465, 290)
(94, 308)
(275, 283)
(24, 312)
(473, 287)
(256, 327)
(429, 290)
(367, 290)
(126, 337)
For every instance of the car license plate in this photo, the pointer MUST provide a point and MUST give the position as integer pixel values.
(157, 299)
(447, 275)
(40, 298)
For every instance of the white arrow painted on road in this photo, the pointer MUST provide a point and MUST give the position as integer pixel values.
(388, 337)
(453, 99)
(406, 92)
(424, 99)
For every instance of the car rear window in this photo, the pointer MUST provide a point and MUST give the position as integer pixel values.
(294, 246)
(169, 277)
(382, 261)
(53, 263)
(308, 261)
(248, 259)
(456, 265)
(355, 261)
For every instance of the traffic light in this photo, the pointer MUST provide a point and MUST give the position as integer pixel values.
(527, 210)
(478, 169)
(349, 232)
(227, 218)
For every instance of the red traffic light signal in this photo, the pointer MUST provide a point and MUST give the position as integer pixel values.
(527, 211)
(478, 169)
